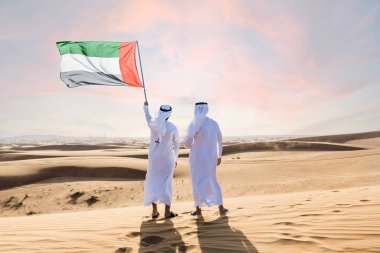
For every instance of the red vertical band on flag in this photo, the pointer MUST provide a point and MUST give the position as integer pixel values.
(127, 63)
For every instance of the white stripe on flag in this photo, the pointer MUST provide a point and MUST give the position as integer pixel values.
(77, 62)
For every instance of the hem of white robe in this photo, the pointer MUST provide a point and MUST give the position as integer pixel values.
(203, 204)
(158, 201)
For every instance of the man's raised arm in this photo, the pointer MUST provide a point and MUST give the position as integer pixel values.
(147, 114)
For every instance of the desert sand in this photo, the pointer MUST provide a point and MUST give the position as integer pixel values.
(302, 195)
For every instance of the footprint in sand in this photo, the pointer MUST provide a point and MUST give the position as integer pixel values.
(336, 211)
(92, 200)
(124, 250)
(31, 213)
(364, 200)
(14, 202)
(75, 196)
(133, 234)
(151, 240)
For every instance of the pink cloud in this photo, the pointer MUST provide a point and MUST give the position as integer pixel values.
(10, 35)
(196, 43)
(280, 97)
(215, 52)
(287, 34)
(148, 14)
(366, 21)
(298, 82)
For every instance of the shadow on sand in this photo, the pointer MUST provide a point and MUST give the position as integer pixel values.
(213, 236)
(160, 236)
(218, 236)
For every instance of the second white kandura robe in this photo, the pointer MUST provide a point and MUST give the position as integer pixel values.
(205, 149)
(163, 153)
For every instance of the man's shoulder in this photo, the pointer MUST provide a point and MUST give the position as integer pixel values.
(212, 121)
(171, 126)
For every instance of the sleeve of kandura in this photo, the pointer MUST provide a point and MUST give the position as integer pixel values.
(148, 117)
(176, 144)
(189, 138)
(220, 141)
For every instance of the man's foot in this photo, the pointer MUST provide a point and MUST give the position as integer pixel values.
(155, 213)
(193, 213)
(223, 210)
(170, 215)
(197, 211)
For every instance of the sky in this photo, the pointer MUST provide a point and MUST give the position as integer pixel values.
(265, 67)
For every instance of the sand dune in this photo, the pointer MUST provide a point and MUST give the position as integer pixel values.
(285, 146)
(341, 138)
(283, 196)
(55, 161)
(366, 143)
(270, 146)
(71, 171)
(325, 221)
(52, 151)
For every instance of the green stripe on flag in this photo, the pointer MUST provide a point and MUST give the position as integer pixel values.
(90, 48)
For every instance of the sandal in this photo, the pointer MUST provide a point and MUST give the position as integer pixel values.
(172, 215)
(194, 213)
(154, 216)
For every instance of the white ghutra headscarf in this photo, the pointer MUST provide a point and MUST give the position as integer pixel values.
(158, 124)
(200, 112)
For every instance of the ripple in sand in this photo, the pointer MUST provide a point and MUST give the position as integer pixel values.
(311, 214)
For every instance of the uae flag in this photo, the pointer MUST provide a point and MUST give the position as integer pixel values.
(99, 63)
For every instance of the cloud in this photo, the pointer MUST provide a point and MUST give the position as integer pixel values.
(206, 42)
(279, 62)
(270, 20)
(365, 22)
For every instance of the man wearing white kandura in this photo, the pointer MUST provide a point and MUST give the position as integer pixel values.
(163, 155)
(205, 142)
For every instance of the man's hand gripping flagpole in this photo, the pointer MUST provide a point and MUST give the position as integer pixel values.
(142, 75)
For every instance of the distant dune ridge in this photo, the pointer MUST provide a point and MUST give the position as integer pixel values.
(340, 138)
(284, 146)
(14, 154)
(312, 194)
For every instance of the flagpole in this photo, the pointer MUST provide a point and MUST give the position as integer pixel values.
(142, 75)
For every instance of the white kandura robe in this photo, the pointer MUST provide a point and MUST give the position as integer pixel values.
(158, 185)
(206, 148)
